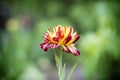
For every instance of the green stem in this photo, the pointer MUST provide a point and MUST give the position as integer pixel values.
(61, 78)
(58, 59)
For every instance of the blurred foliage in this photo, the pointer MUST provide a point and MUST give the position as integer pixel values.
(96, 21)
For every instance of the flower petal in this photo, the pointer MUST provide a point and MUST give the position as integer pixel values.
(46, 46)
(71, 49)
(68, 39)
(74, 39)
(53, 46)
(56, 39)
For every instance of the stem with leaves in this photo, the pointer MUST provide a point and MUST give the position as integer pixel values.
(62, 68)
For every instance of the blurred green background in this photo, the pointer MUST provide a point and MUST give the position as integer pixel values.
(23, 22)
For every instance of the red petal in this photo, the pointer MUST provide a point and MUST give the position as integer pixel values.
(53, 46)
(56, 39)
(68, 39)
(76, 38)
(71, 49)
(46, 46)
(71, 30)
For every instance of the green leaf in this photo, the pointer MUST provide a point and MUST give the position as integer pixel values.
(57, 59)
(71, 70)
(63, 71)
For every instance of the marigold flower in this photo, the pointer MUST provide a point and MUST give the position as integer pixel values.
(62, 36)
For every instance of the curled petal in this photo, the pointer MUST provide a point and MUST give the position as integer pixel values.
(53, 46)
(71, 30)
(71, 49)
(59, 32)
(68, 39)
(76, 38)
(46, 46)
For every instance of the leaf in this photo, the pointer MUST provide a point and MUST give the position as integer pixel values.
(71, 70)
(63, 71)
(57, 59)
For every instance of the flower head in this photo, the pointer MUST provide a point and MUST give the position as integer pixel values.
(62, 36)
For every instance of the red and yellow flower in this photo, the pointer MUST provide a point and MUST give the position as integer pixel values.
(62, 36)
